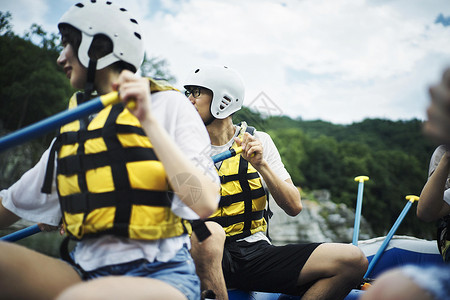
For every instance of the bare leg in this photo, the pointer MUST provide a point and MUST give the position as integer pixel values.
(393, 285)
(27, 274)
(337, 268)
(122, 287)
(207, 256)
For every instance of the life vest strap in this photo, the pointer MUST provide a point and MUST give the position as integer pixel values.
(443, 238)
(200, 229)
(226, 221)
(82, 163)
(240, 197)
(48, 178)
(68, 138)
(87, 202)
(228, 178)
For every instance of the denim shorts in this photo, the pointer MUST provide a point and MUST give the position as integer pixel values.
(179, 272)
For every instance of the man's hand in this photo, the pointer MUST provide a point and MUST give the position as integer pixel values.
(252, 149)
(49, 228)
(437, 126)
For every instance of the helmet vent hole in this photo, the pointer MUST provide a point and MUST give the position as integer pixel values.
(123, 9)
(109, 2)
(80, 5)
(137, 35)
(196, 71)
(225, 102)
(93, 1)
(133, 21)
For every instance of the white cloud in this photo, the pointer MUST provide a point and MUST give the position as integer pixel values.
(341, 60)
(25, 13)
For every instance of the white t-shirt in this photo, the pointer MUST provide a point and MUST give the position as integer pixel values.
(435, 159)
(273, 158)
(182, 122)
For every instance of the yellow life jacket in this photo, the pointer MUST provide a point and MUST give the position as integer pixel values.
(443, 238)
(110, 181)
(243, 199)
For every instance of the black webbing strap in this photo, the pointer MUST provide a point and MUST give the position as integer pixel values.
(65, 255)
(226, 221)
(82, 184)
(90, 80)
(240, 197)
(268, 213)
(229, 178)
(48, 178)
(87, 202)
(119, 173)
(247, 194)
(81, 163)
(443, 237)
(201, 231)
(73, 137)
(64, 251)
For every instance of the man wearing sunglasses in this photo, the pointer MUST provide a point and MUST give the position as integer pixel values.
(238, 243)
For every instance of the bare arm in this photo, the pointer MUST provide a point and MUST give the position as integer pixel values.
(431, 205)
(6, 217)
(174, 161)
(437, 126)
(285, 194)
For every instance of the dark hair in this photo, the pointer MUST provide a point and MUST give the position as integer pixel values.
(101, 45)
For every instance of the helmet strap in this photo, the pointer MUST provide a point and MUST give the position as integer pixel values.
(211, 119)
(89, 86)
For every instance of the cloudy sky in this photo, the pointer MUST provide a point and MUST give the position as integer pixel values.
(336, 60)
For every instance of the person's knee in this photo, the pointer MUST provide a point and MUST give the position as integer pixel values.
(354, 258)
(358, 258)
(211, 249)
(347, 260)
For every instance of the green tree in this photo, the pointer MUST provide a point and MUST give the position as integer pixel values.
(5, 22)
(157, 68)
(33, 86)
(290, 143)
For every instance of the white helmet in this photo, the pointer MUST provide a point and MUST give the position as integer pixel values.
(102, 17)
(226, 85)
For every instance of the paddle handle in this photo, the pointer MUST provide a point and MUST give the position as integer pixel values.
(356, 226)
(227, 154)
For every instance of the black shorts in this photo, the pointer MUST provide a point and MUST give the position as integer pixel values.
(263, 267)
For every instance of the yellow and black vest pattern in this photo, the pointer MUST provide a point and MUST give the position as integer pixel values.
(243, 199)
(110, 181)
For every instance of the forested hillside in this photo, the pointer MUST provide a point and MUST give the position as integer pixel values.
(322, 155)
(318, 155)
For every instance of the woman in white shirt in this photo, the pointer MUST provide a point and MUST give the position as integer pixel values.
(126, 201)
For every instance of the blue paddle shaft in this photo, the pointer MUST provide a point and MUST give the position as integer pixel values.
(224, 155)
(51, 123)
(358, 213)
(20, 234)
(387, 239)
